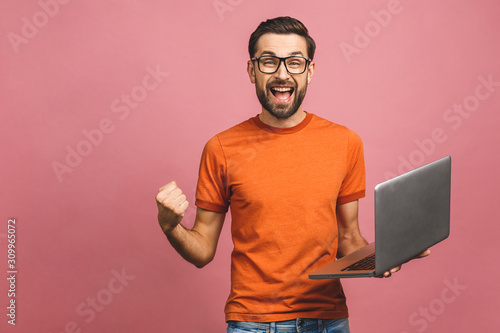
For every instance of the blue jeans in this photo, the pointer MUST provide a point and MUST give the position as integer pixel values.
(299, 325)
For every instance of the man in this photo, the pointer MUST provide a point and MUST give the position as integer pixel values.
(292, 180)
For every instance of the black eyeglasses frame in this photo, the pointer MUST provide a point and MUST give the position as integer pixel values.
(308, 61)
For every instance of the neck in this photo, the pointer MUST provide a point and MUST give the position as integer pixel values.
(270, 120)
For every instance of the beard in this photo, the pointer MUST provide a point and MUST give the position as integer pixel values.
(280, 110)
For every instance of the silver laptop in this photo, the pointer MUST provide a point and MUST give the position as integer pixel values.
(412, 213)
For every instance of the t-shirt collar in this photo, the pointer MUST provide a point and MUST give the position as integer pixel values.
(286, 130)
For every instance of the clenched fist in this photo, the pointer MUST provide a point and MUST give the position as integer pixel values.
(172, 205)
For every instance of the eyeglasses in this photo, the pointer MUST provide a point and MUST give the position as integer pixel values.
(270, 64)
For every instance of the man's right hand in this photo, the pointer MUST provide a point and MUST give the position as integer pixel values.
(172, 205)
(196, 245)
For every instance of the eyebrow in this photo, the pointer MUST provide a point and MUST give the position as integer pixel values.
(290, 54)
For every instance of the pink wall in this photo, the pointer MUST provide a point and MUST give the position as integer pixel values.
(102, 102)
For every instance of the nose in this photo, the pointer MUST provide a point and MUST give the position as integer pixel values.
(281, 73)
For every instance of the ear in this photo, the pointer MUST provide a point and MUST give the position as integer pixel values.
(310, 71)
(251, 71)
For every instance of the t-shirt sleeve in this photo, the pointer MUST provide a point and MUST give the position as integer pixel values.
(211, 191)
(354, 184)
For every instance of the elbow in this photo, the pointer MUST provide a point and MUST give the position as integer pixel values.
(203, 262)
(200, 265)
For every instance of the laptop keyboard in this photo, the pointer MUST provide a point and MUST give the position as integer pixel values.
(367, 263)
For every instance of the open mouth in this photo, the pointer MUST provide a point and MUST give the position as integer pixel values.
(282, 94)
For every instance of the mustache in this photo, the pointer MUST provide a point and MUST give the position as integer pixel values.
(280, 83)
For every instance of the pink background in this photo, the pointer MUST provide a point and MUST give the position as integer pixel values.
(69, 69)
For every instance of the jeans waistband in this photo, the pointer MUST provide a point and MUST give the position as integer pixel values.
(285, 326)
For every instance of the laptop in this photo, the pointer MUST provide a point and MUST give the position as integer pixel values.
(412, 213)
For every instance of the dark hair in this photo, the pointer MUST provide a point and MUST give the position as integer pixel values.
(281, 25)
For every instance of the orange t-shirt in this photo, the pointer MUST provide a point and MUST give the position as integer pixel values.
(283, 186)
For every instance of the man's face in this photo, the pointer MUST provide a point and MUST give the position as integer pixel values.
(281, 93)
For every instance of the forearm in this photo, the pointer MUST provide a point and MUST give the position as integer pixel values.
(197, 245)
(190, 245)
(349, 243)
(350, 238)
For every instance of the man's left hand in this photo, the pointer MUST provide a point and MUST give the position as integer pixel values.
(396, 269)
